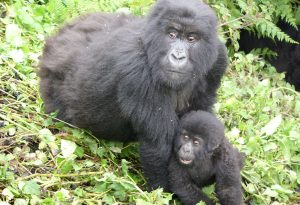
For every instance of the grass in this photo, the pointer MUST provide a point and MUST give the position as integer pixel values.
(43, 161)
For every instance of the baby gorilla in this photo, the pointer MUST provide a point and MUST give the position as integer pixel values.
(202, 156)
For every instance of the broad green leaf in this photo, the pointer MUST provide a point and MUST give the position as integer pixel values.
(31, 188)
(201, 203)
(12, 131)
(62, 194)
(20, 202)
(79, 151)
(79, 192)
(47, 135)
(272, 126)
(17, 55)
(67, 148)
(13, 35)
(142, 202)
(271, 193)
(66, 166)
(100, 187)
(6, 192)
(116, 149)
(297, 105)
(270, 146)
(279, 188)
(251, 188)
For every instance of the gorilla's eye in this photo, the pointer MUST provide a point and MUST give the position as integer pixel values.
(186, 137)
(196, 142)
(192, 38)
(173, 34)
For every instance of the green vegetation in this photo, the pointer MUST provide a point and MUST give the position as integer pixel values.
(43, 161)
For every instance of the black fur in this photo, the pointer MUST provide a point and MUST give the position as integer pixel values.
(212, 159)
(288, 58)
(106, 73)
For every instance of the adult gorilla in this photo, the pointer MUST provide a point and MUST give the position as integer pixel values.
(126, 78)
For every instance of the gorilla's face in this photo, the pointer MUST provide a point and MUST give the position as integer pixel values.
(200, 136)
(189, 147)
(181, 42)
(176, 65)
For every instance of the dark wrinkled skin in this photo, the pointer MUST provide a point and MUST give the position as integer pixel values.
(203, 156)
(110, 73)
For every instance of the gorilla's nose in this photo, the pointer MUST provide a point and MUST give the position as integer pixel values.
(186, 150)
(178, 55)
(178, 58)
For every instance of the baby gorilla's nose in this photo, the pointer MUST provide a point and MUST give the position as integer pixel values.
(186, 149)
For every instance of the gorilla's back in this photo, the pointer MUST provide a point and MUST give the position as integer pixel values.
(65, 85)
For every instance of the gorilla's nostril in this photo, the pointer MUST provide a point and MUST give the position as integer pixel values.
(181, 58)
(178, 56)
(174, 56)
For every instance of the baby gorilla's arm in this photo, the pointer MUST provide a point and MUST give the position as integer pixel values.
(182, 185)
(228, 179)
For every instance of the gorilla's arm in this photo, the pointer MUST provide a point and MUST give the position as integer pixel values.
(228, 180)
(154, 122)
(182, 185)
(204, 95)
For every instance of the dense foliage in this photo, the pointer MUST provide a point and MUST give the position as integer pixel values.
(43, 161)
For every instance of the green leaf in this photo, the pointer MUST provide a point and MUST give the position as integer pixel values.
(272, 126)
(125, 166)
(67, 148)
(79, 152)
(120, 194)
(48, 201)
(13, 35)
(25, 16)
(17, 55)
(270, 146)
(6, 192)
(79, 192)
(93, 145)
(142, 202)
(279, 188)
(116, 149)
(271, 193)
(62, 195)
(47, 135)
(11, 131)
(20, 202)
(31, 188)
(251, 188)
(101, 151)
(108, 199)
(297, 105)
(100, 187)
(66, 166)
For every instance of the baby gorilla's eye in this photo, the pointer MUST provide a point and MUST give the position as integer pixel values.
(196, 142)
(186, 137)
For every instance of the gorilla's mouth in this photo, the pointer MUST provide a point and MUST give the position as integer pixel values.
(185, 161)
(175, 71)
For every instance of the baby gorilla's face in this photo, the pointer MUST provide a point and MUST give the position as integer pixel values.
(189, 146)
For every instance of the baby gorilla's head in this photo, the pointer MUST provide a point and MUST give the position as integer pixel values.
(201, 133)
